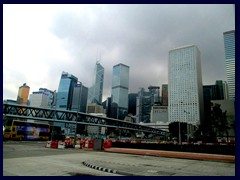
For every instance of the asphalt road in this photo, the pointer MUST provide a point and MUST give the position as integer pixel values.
(34, 159)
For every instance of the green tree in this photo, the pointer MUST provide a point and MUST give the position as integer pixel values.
(219, 121)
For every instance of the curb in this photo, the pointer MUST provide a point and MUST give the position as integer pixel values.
(100, 168)
(106, 169)
(172, 154)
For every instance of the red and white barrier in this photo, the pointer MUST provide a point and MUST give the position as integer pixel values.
(61, 145)
(48, 145)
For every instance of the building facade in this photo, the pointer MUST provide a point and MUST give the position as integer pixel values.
(23, 93)
(39, 99)
(79, 101)
(185, 100)
(95, 108)
(96, 91)
(132, 100)
(144, 102)
(159, 114)
(229, 47)
(51, 96)
(65, 91)
(229, 107)
(119, 94)
(165, 95)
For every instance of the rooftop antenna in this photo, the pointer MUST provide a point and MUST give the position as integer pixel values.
(98, 57)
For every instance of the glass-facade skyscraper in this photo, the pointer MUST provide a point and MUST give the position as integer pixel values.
(120, 85)
(65, 91)
(79, 102)
(229, 47)
(96, 91)
(185, 90)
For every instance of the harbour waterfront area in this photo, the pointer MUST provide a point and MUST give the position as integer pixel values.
(23, 158)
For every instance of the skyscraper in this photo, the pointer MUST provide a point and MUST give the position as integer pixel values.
(65, 91)
(164, 94)
(144, 102)
(229, 47)
(96, 91)
(51, 96)
(80, 94)
(185, 100)
(23, 93)
(120, 84)
(39, 99)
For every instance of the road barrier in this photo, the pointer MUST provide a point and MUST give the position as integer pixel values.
(61, 145)
(48, 145)
(78, 143)
(54, 144)
(107, 144)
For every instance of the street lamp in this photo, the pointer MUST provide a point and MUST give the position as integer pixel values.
(188, 128)
(55, 111)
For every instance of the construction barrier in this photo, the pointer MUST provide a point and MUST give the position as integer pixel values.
(107, 144)
(83, 143)
(54, 144)
(61, 145)
(78, 143)
(90, 143)
(69, 142)
(48, 145)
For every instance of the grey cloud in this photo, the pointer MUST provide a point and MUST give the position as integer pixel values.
(143, 35)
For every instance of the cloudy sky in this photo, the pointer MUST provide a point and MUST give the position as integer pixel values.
(41, 41)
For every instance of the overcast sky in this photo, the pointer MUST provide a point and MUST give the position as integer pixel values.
(41, 41)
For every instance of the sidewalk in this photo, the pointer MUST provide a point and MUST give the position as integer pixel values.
(184, 155)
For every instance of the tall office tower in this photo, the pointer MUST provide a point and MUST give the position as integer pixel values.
(211, 92)
(165, 95)
(120, 84)
(79, 101)
(107, 106)
(229, 46)
(143, 106)
(23, 93)
(39, 99)
(96, 91)
(65, 91)
(155, 96)
(220, 88)
(185, 89)
(51, 96)
(132, 98)
(144, 102)
(225, 90)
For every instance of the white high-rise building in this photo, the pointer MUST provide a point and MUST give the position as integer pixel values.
(185, 90)
(39, 99)
(229, 46)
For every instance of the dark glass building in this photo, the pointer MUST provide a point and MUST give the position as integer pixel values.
(211, 92)
(65, 91)
(132, 102)
(80, 94)
(165, 95)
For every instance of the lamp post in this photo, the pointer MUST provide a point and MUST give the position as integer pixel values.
(188, 127)
(55, 111)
